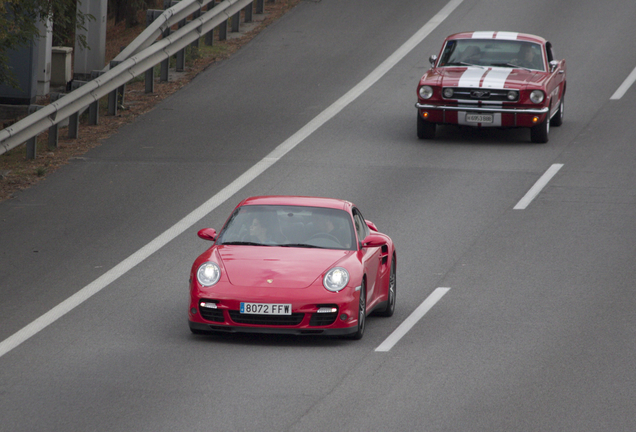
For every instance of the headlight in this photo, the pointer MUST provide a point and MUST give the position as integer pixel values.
(512, 95)
(336, 279)
(426, 92)
(448, 93)
(537, 96)
(208, 274)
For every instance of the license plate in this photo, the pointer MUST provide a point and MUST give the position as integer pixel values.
(265, 308)
(479, 118)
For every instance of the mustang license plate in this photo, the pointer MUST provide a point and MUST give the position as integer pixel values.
(479, 118)
(266, 308)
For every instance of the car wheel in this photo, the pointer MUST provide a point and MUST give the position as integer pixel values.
(362, 312)
(557, 120)
(390, 307)
(539, 133)
(425, 130)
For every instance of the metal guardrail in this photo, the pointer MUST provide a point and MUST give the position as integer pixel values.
(140, 56)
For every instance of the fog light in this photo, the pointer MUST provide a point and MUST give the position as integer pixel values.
(343, 317)
(193, 311)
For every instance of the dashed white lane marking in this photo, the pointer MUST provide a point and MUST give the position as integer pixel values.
(538, 186)
(408, 323)
(631, 78)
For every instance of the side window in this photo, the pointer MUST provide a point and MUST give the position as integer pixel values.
(361, 226)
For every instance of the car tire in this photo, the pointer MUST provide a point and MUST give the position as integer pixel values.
(362, 312)
(425, 130)
(390, 306)
(557, 120)
(539, 133)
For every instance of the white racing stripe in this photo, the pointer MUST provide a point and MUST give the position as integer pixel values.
(538, 187)
(412, 319)
(496, 78)
(507, 35)
(483, 34)
(472, 77)
(187, 222)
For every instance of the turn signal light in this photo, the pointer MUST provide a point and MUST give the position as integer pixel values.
(535, 119)
(424, 114)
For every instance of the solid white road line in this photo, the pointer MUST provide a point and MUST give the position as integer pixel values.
(187, 222)
(408, 323)
(631, 78)
(538, 186)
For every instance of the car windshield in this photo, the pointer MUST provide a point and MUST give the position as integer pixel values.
(289, 226)
(493, 53)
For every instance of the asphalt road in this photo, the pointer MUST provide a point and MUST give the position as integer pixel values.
(536, 331)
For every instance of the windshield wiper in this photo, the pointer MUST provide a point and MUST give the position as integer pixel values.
(511, 65)
(244, 243)
(463, 64)
(301, 245)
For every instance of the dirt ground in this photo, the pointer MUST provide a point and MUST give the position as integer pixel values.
(18, 173)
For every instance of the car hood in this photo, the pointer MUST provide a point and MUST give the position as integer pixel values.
(280, 267)
(486, 77)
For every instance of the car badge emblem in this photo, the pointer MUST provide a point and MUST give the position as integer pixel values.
(480, 94)
(270, 280)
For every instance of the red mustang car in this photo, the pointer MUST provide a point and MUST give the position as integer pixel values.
(296, 265)
(493, 79)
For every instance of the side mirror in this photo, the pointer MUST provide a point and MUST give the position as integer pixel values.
(207, 234)
(373, 240)
(432, 59)
(553, 65)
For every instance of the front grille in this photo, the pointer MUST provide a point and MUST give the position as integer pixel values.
(208, 314)
(271, 320)
(480, 93)
(323, 319)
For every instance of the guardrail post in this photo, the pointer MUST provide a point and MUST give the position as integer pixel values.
(223, 31)
(150, 80)
(54, 130)
(248, 12)
(196, 15)
(73, 125)
(209, 36)
(260, 7)
(93, 113)
(236, 18)
(180, 65)
(165, 65)
(116, 97)
(31, 144)
(54, 135)
(93, 108)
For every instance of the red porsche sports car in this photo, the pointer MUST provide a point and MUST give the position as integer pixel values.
(296, 265)
(493, 79)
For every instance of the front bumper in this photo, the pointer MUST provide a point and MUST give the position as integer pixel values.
(213, 328)
(501, 117)
(483, 109)
(305, 317)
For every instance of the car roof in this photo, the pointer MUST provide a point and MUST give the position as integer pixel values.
(505, 35)
(305, 201)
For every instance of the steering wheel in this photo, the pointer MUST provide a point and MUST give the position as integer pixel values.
(325, 235)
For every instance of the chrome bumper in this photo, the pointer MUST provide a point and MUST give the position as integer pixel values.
(470, 108)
